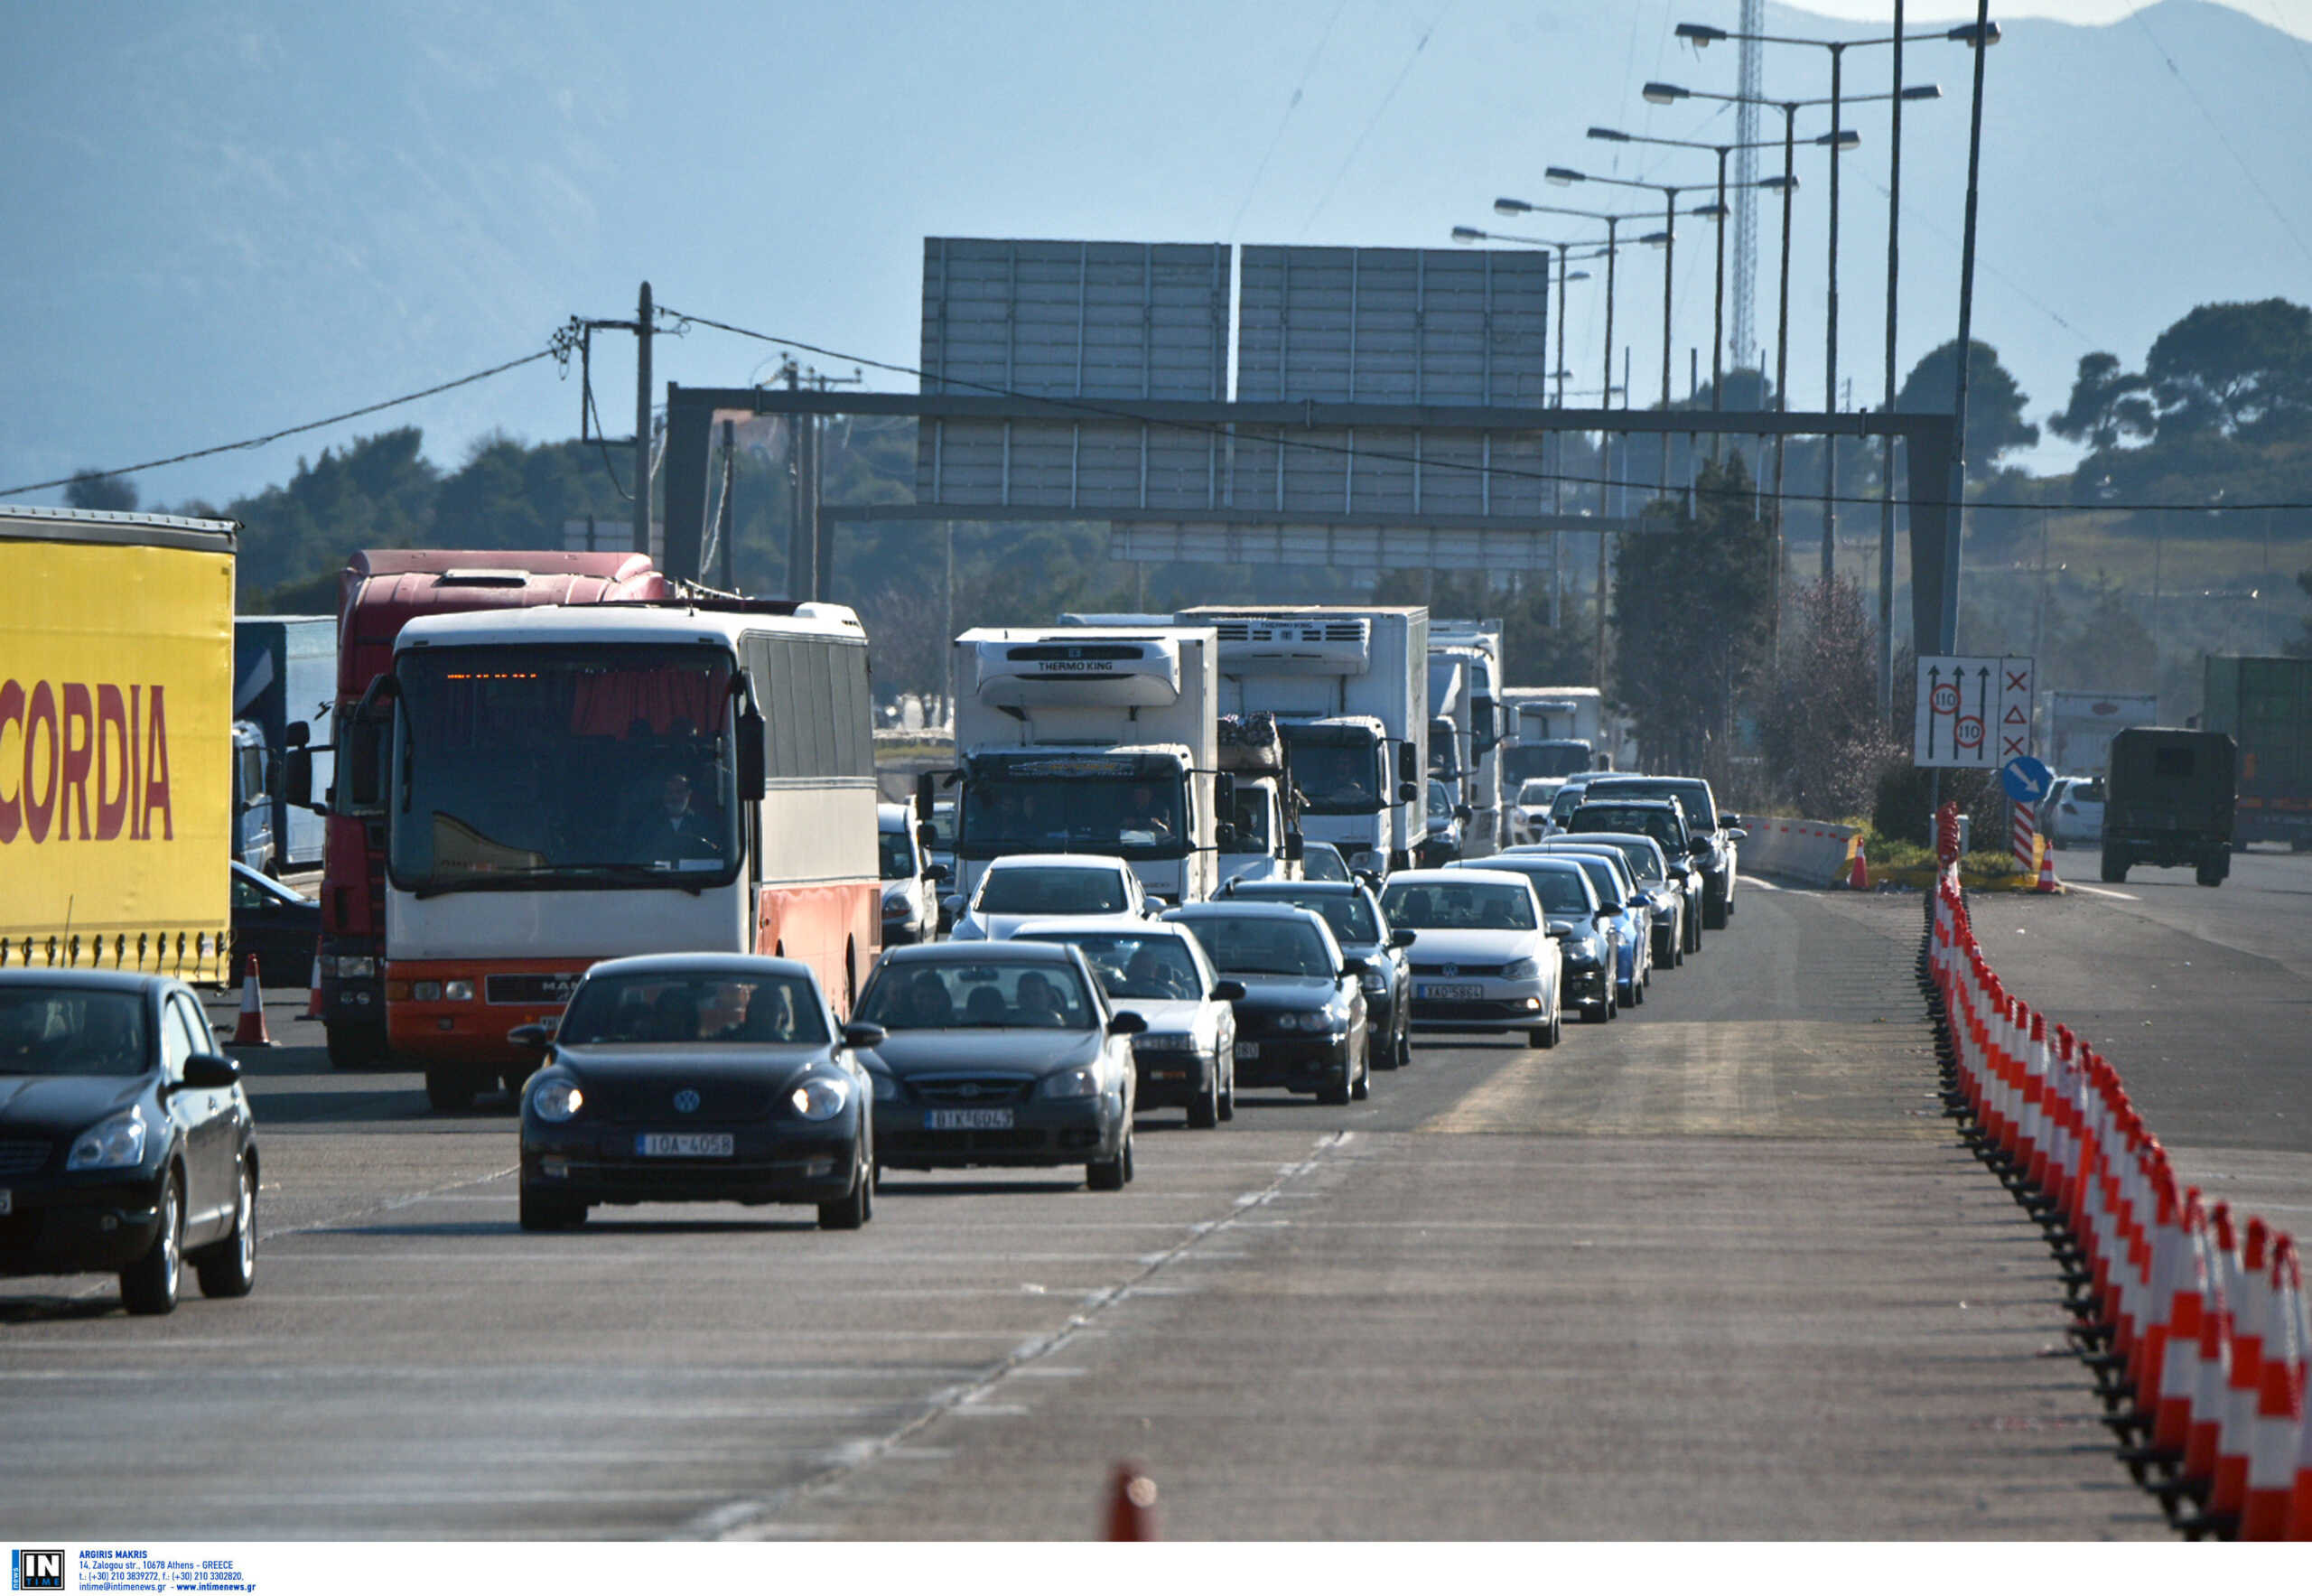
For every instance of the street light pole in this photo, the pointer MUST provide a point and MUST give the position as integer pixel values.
(1830, 338)
(1887, 455)
(1982, 37)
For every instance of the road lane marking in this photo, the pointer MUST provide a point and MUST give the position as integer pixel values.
(2100, 891)
(1752, 881)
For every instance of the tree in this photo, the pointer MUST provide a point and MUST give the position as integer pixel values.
(1995, 404)
(1819, 727)
(91, 489)
(2107, 404)
(2233, 366)
(1691, 619)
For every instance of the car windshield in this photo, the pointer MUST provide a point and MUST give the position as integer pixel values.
(1262, 945)
(1538, 792)
(1349, 914)
(1051, 889)
(1644, 860)
(68, 1031)
(1322, 862)
(993, 994)
(1440, 802)
(1654, 820)
(899, 858)
(1600, 872)
(1559, 887)
(943, 826)
(694, 1006)
(2086, 792)
(1568, 799)
(1337, 777)
(1459, 906)
(1150, 965)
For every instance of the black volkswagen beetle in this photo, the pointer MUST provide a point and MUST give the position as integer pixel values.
(1364, 932)
(697, 1078)
(1300, 1023)
(1004, 1054)
(126, 1145)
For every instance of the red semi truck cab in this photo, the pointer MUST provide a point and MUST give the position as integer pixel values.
(381, 590)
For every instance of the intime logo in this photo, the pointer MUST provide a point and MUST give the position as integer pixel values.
(59, 738)
(42, 1569)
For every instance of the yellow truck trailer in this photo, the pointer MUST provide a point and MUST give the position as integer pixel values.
(116, 729)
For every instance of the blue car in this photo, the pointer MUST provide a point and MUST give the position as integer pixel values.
(1619, 894)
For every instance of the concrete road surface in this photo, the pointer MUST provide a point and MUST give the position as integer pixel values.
(1717, 1269)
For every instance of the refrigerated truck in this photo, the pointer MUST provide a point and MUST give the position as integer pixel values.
(284, 670)
(1349, 689)
(115, 733)
(2081, 726)
(2265, 707)
(1090, 740)
(380, 591)
(1553, 732)
(567, 783)
(1476, 647)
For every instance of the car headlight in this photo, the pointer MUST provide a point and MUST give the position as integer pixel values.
(1373, 981)
(820, 1097)
(458, 992)
(555, 1101)
(1167, 1041)
(117, 1143)
(1520, 969)
(887, 1088)
(1079, 1082)
(1583, 950)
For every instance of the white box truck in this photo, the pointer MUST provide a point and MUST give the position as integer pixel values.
(1349, 689)
(2081, 726)
(1468, 654)
(1553, 732)
(1089, 740)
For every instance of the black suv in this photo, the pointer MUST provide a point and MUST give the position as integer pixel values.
(1715, 834)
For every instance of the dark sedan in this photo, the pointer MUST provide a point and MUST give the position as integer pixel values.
(1363, 932)
(280, 927)
(126, 1145)
(1300, 1023)
(1004, 1054)
(697, 1078)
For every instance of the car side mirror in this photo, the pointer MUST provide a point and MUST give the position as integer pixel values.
(1604, 917)
(1464, 814)
(1699, 846)
(532, 1038)
(1353, 966)
(1405, 937)
(1736, 834)
(862, 1033)
(1124, 1023)
(936, 874)
(1728, 821)
(1228, 992)
(211, 1072)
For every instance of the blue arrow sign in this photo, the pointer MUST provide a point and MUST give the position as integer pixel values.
(2026, 779)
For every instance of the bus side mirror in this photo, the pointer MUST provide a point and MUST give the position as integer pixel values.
(1408, 763)
(363, 781)
(754, 769)
(1224, 838)
(1224, 790)
(296, 735)
(1407, 792)
(1296, 847)
(297, 777)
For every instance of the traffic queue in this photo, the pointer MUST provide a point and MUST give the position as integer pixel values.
(633, 868)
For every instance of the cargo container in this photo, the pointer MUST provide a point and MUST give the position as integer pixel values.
(2265, 707)
(115, 738)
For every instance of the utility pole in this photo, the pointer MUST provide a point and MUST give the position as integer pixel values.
(642, 424)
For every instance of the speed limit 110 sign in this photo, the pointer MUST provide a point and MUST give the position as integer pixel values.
(1974, 710)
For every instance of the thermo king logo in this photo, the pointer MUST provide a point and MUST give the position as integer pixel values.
(39, 1569)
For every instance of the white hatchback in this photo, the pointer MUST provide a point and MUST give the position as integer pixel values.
(1483, 958)
(1021, 887)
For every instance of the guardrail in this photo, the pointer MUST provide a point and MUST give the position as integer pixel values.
(1814, 852)
(2195, 1326)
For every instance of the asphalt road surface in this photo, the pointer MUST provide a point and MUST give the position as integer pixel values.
(1717, 1269)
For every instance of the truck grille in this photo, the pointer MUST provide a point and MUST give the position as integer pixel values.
(530, 989)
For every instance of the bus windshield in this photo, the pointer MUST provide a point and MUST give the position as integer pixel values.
(563, 766)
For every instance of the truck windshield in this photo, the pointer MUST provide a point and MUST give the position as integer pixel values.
(1134, 816)
(1338, 775)
(1530, 760)
(588, 766)
(1249, 814)
(1444, 751)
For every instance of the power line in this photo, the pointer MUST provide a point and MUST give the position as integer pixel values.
(1290, 106)
(2217, 128)
(1374, 121)
(1312, 445)
(555, 351)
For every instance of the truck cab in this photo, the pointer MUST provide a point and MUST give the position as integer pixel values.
(253, 838)
(2168, 802)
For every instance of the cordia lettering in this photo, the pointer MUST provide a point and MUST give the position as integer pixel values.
(70, 737)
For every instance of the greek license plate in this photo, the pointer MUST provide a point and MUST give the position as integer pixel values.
(1447, 991)
(968, 1119)
(1248, 1050)
(656, 1145)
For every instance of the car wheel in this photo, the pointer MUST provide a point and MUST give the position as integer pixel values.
(2212, 872)
(1361, 1087)
(1131, 1165)
(1228, 1093)
(1405, 1046)
(1713, 916)
(228, 1269)
(854, 1210)
(1105, 1174)
(1204, 1114)
(449, 1090)
(150, 1284)
(1336, 1096)
(545, 1211)
(2115, 866)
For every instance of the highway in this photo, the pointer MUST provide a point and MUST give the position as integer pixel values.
(1718, 1269)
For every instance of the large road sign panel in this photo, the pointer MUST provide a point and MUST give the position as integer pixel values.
(1974, 710)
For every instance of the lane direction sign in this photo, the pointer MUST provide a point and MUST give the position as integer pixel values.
(1974, 710)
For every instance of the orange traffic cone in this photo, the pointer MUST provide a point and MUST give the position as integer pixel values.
(1858, 875)
(314, 992)
(1132, 1504)
(250, 1032)
(2048, 882)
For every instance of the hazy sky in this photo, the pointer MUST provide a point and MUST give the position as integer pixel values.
(2294, 15)
(232, 216)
